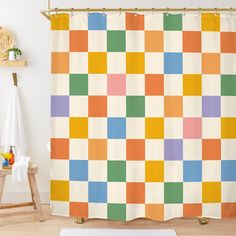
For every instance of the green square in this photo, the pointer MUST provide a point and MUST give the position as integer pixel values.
(135, 106)
(228, 85)
(116, 41)
(116, 171)
(78, 84)
(116, 212)
(173, 192)
(172, 22)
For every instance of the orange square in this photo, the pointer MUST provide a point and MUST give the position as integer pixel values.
(97, 106)
(60, 63)
(97, 149)
(135, 149)
(211, 63)
(134, 21)
(154, 211)
(211, 149)
(192, 41)
(228, 210)
(173, 106)
(228, 42)
(192, 210)
(59, 148)
(79, 209)
(135, 192)
(153, 41)
(78, 41)
(154, 84)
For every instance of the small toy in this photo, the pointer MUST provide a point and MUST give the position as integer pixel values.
(6, 159)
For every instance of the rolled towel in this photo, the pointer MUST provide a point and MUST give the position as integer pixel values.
(20, 169)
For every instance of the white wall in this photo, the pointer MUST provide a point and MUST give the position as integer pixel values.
(31, 31)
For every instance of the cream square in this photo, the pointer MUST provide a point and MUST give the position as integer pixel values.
(78, 63)
(78, 149)
(228, 191)
(78, 106)
(135, 41)
(78, 191)
(227, 23)
(60, 127)
(169, 81)
(228, 106)
(173, 128)
(134, 211)
(97, 84)
(211, 210)
(154, 193)
(228, 63)
(173, 210)
(211, 171)
(154, 149)
(116, 149)
(192, 106)
(192, 22)
(192, 149)
(228, 149)
(135, 84)
(175, 167)
(116, 106)
(192, 63)
(211, 128)
(97, 128)
(97, 41)
(153, 22)
(154, 106)
(97, 210)
(116, 192)
(154, 63)
(59, 170)
(60, 208)
(60, 40)
(192, 192)
(79, 17)
(211, 42)
(97, 170)
(173, 41)
(135, 171)
(135, 128)
(116, 63)
(60, 84)
(116, 21)
(211, 85)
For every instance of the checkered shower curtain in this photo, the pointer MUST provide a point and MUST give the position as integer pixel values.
(143, 114)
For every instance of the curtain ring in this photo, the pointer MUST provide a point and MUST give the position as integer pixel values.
(88, 10)
(231, 11)
(216, 11)
(167, 11)
(135, 12)
(56, 11)
(153, 10)
(103, 11)
(72, 12)
(120, 9)
(184, 13)
(200, 10)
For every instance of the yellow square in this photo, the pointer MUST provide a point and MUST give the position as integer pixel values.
(192, 85)
(59, 190)
(154, 171)
(228, 127)
(60, 22)
(78, 127)
(154, 128)
(211, 192)
(135, 63)
(97, 62)
(210, 22)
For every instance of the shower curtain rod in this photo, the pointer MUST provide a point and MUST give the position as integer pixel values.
(47, 12)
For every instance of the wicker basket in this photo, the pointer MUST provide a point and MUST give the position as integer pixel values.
(6, 42)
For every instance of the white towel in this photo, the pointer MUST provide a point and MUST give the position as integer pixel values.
(14, 135)
(20, 169)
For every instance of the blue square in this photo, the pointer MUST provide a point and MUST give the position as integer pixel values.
(116, 128)
(98, 192)
(192, 171)
(79, 170)
(173, 63)
(228, 170)
(97, 21)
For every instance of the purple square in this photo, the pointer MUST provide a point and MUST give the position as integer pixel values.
(59, 106)
(173, 149)
(211, 106)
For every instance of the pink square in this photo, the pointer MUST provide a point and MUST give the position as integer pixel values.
(116, 84)
(192, 128)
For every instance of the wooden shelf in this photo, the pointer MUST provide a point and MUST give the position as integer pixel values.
(16, 63)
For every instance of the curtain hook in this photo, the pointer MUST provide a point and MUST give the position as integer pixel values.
(56, 11)
(231, 11)
(216, 10)
(88, 9)
(200, 10)
(167, 12)
(103, 11)
(184, 11)
(120, 9)
(153, 10)
(72, 11)
(136, 11)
